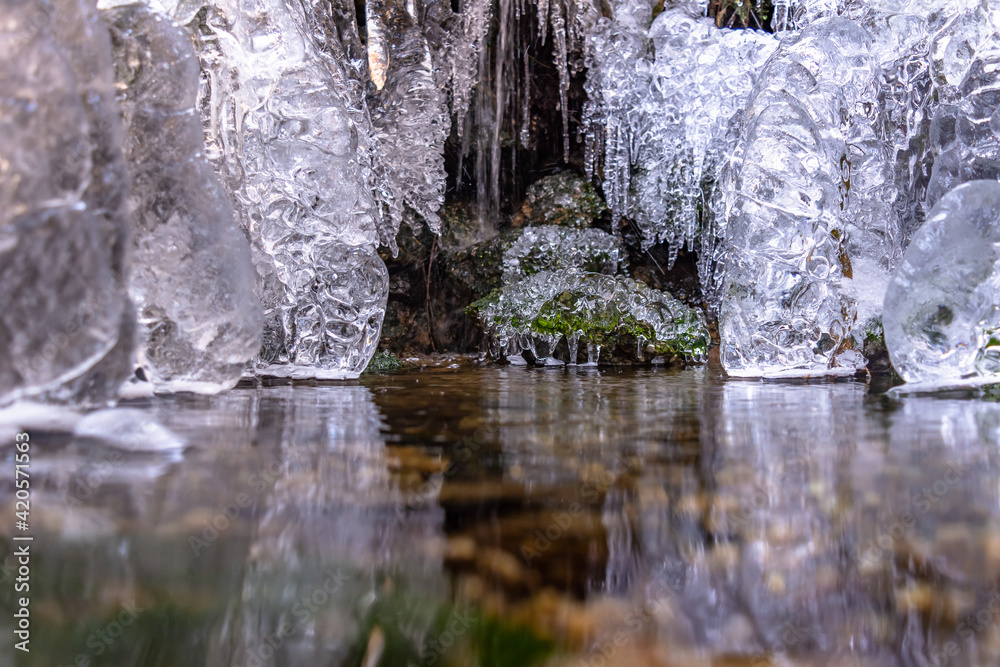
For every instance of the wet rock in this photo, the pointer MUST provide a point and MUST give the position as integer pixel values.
(383, 361)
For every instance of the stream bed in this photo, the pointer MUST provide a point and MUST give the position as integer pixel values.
(460, 513)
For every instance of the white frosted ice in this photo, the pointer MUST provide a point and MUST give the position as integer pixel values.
(661, 100)
(942, 307)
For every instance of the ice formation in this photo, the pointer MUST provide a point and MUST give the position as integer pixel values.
(662, 97)
(806, 209)
(552, 247)
(292, 158)
(537, 313)
(67, 326)
(192, 279)
(942, 307)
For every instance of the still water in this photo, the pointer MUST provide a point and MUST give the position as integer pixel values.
(466, 514)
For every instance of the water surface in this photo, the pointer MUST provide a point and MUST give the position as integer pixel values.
(468, 514)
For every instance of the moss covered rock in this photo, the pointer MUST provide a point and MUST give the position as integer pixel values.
(536, 316)
(516, 254)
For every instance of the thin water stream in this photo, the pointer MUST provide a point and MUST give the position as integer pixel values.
(467, 514)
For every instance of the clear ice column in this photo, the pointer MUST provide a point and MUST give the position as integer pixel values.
(66, 324)
(192, 278)
(288, 152)
(808, 183)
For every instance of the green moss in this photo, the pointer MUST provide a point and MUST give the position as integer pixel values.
(613, 312)
(383, 361)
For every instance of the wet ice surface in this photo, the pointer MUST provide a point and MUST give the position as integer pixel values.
(711, 522)
(806, 209)
(274, 108)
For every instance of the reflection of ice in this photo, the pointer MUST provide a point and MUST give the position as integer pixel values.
(794, 519)
(332, 509)
(128, 428)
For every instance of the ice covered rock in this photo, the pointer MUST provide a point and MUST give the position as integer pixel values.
(66, 327)
(288, 150)
(942, 307)
(192, 278)
(552, 247)
(615, 313)
(560, 199)
(518, 253)
(807, 209)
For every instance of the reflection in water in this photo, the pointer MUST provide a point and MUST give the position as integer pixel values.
(488, 515)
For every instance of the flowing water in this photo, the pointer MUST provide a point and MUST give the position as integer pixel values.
(464, 514)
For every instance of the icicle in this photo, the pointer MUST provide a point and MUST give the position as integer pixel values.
(543, 18)
(468, 61)
(562, 57)
(573, 342)
(526, 102)
(593, 353)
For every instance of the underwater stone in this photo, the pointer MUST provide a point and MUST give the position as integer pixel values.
(192, 278)
(288, 150)
(561, 199)
(615, 313)
(808, 206)
(66, 330)
(942, 307)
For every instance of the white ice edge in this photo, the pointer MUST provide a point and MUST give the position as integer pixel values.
(793, 373)
(936, 386)
(306, 373)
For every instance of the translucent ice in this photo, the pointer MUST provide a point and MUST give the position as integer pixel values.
(192, 279)
(66, 327)
(409, 115)
(942, 307)
(806, 208)
(661, 99)
(553, 247)
(288, 150)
